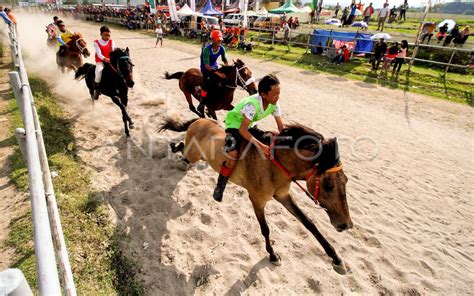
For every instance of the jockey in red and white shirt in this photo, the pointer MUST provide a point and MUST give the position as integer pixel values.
(103, 47)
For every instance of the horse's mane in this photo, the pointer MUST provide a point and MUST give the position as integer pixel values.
(226, 69)
(303, 138)
(118, 52)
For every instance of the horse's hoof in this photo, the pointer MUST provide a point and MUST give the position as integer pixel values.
(340, 268)
(275, 260)
(131, 126)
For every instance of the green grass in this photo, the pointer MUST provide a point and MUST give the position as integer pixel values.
(94, 247)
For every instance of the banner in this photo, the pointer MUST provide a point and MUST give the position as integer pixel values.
(192, 5)
(173, 11)
(246, 5)
(152, 5)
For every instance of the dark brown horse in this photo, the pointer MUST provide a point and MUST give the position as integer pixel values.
(221, 91)
(72, 58)
(302, 152)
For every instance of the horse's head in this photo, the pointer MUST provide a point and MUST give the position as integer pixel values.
(51, 32)
(121, 61)
(244, 77)
(317, 160)
(78, 43)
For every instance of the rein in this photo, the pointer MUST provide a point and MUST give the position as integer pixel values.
(117, 70)
(315, 196)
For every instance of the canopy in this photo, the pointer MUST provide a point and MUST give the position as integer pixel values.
(232, 10)
(209, 10)
(262, 11)
(288, 7)
(364, 42)
(185, 10)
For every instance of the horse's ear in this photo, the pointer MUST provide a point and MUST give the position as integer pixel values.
(127, 51)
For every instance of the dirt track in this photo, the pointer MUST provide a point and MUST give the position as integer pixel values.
(409, 161)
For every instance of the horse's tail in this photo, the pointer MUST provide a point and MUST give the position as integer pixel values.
(82, 71)
(176, 75)
(176, 126)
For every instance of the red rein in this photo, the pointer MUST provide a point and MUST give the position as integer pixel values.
(317, 180)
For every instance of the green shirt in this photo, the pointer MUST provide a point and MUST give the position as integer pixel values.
(252, 108)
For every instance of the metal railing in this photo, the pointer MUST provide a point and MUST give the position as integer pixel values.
(48, 233)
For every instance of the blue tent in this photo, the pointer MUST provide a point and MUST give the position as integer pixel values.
(364, 43)
(209, 10)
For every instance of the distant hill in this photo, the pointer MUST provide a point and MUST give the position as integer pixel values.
(455, 8)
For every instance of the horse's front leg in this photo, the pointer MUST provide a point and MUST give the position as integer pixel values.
(289, 204)
(124, 100)
(125, 116)
(260, 213)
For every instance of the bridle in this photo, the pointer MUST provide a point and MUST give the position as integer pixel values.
(314, 171)
(117, 69)
(239, 78)
(79, 46)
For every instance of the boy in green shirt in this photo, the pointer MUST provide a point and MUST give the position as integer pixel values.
(244, 115)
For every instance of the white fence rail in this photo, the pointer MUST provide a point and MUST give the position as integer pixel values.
(48, 234)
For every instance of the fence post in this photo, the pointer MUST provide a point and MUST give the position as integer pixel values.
(307, 43)
(14, 283)
(21, 139)
(273, 36)
(450, 60)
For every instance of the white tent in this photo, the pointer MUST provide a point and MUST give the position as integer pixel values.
(263, 11)
(306, 9)
(185, 10)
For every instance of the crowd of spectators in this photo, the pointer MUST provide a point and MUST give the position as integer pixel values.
(138, 17)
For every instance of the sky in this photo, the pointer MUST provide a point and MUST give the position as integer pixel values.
(377, 3)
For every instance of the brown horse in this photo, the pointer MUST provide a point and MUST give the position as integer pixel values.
(72, 58)
(224, 82)
(303, 153)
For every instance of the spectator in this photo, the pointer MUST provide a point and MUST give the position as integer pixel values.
(10, 15)
(462, 37)
(383, 13)
(368, 13)
(393, 14)
(379, 51)
(342, 55)
(319, 49)
(290, 22)
(337, 8)
(392, 53)
(5, 16)
(360, 6)
(296, 23)
(403, 11)
(427, 31)
(453, 34)
(352, 14)
(159, 35)
(400, 59)
(443, 30)
(345, 14)
(286, 30)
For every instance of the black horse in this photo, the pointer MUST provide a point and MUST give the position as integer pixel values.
(117, 77)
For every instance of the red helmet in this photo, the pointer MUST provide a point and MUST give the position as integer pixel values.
(216, 35)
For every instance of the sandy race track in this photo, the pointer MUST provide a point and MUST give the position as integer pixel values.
(409, 163)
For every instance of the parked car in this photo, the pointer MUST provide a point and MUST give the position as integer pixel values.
(233, 19)
(266, 22)
(194, 21)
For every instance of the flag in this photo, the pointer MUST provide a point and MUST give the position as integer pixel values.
(193, 5)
